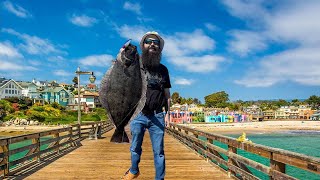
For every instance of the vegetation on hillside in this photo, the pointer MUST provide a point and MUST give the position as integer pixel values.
(47, 114)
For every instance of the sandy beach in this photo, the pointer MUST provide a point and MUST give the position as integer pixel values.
(219, 128)
(20, 130)
(258, 127)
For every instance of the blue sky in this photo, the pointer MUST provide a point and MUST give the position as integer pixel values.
(259, 49)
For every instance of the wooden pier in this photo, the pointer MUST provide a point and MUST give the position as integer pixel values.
(79, 152)
(100, 159)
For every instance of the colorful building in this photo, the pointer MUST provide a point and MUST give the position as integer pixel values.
(179, 117)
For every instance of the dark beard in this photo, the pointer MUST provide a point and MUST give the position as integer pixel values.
(151, 61)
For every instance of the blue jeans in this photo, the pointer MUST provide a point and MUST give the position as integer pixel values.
(155, 125)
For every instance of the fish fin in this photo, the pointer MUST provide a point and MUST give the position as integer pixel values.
(119, 136)
(103, 90)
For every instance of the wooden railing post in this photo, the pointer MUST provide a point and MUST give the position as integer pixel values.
(37, 149)
(277, 166)
(209, 141)
(71, 135)
(56, 135)
(79, 130)
(230, 161)
(5, 161)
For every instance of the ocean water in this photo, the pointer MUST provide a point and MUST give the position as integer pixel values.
(304, 142)
(21, 144)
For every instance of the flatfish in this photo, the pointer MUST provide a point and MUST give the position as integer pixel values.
(123, 90)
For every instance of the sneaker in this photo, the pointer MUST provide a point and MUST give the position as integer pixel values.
(128, 175)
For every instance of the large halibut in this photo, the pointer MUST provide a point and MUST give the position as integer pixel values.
(123, 90)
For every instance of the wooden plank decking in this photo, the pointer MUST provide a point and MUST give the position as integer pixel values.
(100, 159)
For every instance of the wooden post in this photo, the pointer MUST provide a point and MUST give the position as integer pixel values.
(37, 149)
(209, 141)
(277, 166)
(230, 161)
(5, 161)
(56, 135)
(71, 136)
(79, 130)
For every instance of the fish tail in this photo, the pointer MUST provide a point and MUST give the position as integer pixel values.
(119, 136)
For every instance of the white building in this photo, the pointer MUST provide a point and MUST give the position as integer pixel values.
(9, 88)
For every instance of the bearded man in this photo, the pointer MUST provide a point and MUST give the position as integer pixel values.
(152, 116)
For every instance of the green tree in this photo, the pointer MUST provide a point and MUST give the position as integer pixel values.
(218, 99)
(296, 102)
(282, 102)
(71, 88)
(234, 106)
(5, 108)
(12, 99)
(75, 80)
(175, 97)
(313, 101)
(198, 118)
(24, 103)
(196, 101)
(189, 101)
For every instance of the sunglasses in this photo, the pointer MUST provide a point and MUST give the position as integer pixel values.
(150, 41)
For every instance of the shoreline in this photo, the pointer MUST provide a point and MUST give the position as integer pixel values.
(7, 131)
(262, 127)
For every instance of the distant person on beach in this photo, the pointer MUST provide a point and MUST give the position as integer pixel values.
(151, 117)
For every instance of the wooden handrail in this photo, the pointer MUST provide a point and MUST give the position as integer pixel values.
(52, 142)
(237, 164)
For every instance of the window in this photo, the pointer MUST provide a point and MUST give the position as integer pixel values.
(7, 91)
(62, 93)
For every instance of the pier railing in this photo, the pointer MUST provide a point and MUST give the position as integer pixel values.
(20, 152)
(237, 165)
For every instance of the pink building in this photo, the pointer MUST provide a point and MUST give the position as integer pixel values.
(179, 117)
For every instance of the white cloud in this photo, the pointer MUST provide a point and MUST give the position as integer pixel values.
(134, 7)
(62, 73)
(211, 27)
(198, 64)
(96, 60)
(34, 62)
(33, 44)
(8, 66)
(16, 10)
(183, 81)
(6, 49)
(298, 22)
(246, 42)
(244, 9)
(56, 58)
(299, 65)
(143, 20)
(188, 51)
(182, 43)
(98, 73)
(83, 20)
(287, 24)
(132, 32)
